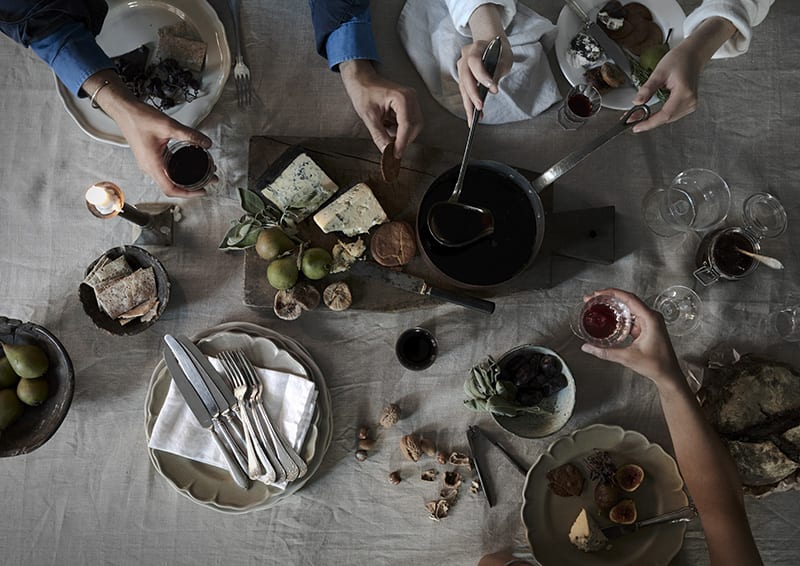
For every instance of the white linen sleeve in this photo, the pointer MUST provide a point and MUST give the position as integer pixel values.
(461, 10)
(744, 14)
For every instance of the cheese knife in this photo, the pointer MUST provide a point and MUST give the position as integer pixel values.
(608, 45)
(200, 401)
(476, 459)
(419, 286)
(682, 515)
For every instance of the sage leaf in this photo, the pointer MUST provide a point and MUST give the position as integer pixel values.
(251, 202)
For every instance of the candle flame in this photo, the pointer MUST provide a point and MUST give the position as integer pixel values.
(104, 200)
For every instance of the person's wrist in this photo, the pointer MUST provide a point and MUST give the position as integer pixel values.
(357, 70)
(707, 38)
(485, 23)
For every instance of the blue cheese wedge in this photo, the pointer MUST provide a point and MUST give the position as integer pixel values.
(300, 189)
(586, 535)
(583, 51)
(355, 212)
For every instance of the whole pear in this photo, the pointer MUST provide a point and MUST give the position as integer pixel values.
(10, 408)
(272, 242)
(7, 376)
(27, 360)
(32, 392)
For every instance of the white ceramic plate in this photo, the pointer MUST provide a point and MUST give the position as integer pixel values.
(211, 486)
(666, 13)
(561, 404)
(131, 23)
(548, 517)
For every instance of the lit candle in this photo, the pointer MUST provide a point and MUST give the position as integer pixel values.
(105, 201)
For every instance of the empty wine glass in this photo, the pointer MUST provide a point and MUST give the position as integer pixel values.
(680, 307)
(696, 200)
(603, 320)
(787, 323)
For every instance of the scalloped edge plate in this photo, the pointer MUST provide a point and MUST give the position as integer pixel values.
(213, 487)
(548, 517)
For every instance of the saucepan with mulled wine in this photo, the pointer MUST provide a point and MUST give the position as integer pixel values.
(727, 253)
(519, 216)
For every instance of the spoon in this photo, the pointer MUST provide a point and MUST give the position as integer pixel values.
(770, 262)
(452, 223)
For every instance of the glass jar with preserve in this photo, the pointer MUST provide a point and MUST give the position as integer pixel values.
(719, 256)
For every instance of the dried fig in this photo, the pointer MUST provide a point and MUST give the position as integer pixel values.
(629, 477)
(337, 296)
(623, 512)
(290, 303)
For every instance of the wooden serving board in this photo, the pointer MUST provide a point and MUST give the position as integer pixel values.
(347, 162)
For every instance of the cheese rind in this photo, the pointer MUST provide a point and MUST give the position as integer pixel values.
(355, 212)
(586, 535)
(301, 188)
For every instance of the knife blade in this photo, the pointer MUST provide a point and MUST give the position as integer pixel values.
(419, 286)
(518, 465)
(479, 466)
(202, 405)
(682, 515)
(221, 391)
(608, 45)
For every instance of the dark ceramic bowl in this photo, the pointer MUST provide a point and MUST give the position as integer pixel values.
(137, 258)
(38, 424)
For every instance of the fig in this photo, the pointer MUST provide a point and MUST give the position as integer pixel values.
(606, 495)
(623, 512)
(629, 477)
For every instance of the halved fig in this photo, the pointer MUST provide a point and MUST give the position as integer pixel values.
(623, 512)
(629, 477)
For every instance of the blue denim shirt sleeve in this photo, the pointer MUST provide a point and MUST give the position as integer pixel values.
(351, 40)
(73, 54)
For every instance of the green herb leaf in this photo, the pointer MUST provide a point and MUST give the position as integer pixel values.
(251, 202)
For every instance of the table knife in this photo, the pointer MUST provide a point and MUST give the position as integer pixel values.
(479, 466)
(419, 286)
(608, 45)
(200, 401)
(682, 515)
(518, 465)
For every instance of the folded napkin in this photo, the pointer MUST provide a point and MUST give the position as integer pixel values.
(289, 400)
(434, 46)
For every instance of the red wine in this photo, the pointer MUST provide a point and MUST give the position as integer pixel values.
(580, 105)
(188, 165)
(599, 321)
(416, 348)
(730, 261)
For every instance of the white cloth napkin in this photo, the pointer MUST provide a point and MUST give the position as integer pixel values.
(289, 400)
(434, 46)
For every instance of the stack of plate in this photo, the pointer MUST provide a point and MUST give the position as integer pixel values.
(211, 486)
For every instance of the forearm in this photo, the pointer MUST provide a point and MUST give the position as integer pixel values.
(708, 37)
(114, 98)
(710, 475)
(486, 23)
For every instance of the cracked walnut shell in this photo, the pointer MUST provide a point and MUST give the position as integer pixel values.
(389, 416)
(409, 446)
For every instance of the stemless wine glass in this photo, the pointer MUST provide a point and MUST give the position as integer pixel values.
(581, 103)
(603, 320)
(680, 307)
(787, 323)
(696, 200)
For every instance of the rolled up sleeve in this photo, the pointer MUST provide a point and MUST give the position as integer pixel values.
(743, 14)
(461, 11)
(343, 31)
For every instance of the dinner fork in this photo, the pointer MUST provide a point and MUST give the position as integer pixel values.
(258, 462)
(293, 463)
(241, 72)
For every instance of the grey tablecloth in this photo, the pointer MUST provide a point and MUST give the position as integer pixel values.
(91, 496)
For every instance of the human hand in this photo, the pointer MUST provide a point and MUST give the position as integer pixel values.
(651, 353)
(471, 72)
(389, 111)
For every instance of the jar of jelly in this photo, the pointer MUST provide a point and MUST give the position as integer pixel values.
(718, 256)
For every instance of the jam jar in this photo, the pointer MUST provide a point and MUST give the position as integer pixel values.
(717, 256)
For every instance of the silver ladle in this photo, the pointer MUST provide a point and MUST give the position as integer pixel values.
(452, 223)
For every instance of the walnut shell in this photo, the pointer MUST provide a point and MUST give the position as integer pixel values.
(389, 416)
(409, 446)
(393, 244)
(337, 296)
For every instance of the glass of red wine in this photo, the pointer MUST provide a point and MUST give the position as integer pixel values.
(581, 103)
(416, 348)
(188, 165)
(603, 321)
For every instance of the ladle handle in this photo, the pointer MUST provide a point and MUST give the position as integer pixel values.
(490, 58)
(626, 121)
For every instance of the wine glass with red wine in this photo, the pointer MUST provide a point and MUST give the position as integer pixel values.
(581, 103)
(603, 321)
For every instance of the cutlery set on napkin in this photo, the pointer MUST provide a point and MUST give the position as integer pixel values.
(202, 419)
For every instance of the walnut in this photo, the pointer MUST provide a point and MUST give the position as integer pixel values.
(428, 475)
(409, 445)
(366, 444)
(474, 487)
(451, 479)
(428, 447)
(361, 455)
(449, 494)
(459, 459)
(394, 477)
(337, 296)
(363, 432)
(441, 457)
(389, 416)
(437, 509)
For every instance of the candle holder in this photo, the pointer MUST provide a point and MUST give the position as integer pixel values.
(106, 200)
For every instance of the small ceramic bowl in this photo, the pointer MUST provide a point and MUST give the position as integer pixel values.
(137, 258)
(38, 424)
(561, 403)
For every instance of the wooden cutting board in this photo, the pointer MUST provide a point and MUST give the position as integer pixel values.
(347, 162)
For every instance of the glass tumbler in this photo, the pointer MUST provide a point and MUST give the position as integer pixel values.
(787, 323)
(188, 165)
(680, 307)
(581, 103)
(603, 321)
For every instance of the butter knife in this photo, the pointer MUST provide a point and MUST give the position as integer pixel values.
(200, 401)
(479, 466)
(682, 515)
(608, 45)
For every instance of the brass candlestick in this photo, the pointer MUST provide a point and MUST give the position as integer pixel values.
(106, 200)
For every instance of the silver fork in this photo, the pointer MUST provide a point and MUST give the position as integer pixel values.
(241, 72)
(258, 462)
(293, 463)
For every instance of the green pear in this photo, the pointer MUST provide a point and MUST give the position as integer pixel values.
(27, 360)
(316, 263)
(7, 376)
(652, 55)
(272, 242)
(32, 392)
(10, 408)
(282, 273)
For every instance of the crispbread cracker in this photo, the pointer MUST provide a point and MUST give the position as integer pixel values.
(127, 292)
(390, 165)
